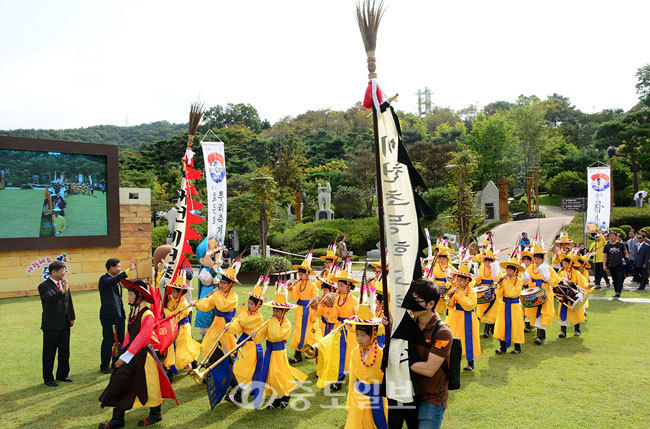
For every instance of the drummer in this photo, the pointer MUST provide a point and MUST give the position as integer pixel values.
(509, 326)
(581, 263)
(578, 283)
(488, 274)
(544, 276)
(526, 260)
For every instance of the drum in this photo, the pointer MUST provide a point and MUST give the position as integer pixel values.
(533, 297)
(485, 294)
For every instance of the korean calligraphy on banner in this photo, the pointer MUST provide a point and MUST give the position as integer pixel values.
(598, 202)
(215, 177)
(402, 234)
(178, 237)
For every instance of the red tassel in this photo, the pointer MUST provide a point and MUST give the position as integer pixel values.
(190, 234)
(367, 98)
(192, 174)
(195, 205)
(193, 219)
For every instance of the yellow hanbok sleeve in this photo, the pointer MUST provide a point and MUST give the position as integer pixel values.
(263, 333)
(225, 303)
(512, 290)
(354, 367)
(468, 302)
(235, 327)
(207, 303)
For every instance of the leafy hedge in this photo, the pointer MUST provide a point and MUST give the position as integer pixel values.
(362, 235)
(622, 219)
(259, 264)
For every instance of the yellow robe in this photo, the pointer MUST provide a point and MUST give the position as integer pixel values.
(585, 274)
(466, 300)
(485, 276)
(360, 414)
(185, 349)
(247, 355)
(281, 378)
(302, 292)
(572, 316)
(326, 316)
(224, 303)
(440, 280)
(349, 308)
(544, 318)
(509, 290)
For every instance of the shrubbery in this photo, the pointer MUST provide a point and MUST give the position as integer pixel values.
(362, 235)
(259, 264)
(158, 236)
(634, 217)
(568, 184)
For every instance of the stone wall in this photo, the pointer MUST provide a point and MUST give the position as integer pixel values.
(21, 271)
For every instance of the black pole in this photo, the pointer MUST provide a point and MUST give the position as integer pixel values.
(382, 222)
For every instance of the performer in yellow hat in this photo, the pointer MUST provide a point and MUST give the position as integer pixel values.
(526, 261)
(441, 273)
(576, 281)
(346, 305)
(275, 374)
(323, 310)
(544, 276)
(581, 263)
(488, 274)
(302, 292)
(185, 349)
(250, 355)
(377, 285)
(462, 321)
(224, 301)
(365, 404)
(330, 259)
(562, 247)
(509, 326)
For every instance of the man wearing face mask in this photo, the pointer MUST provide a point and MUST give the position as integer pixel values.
(429, 378)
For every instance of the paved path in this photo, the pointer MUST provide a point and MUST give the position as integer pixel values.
(505, 235)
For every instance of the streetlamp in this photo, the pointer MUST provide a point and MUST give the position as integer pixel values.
(263, 220)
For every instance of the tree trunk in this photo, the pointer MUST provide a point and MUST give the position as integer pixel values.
(297, 207)
(504, 212)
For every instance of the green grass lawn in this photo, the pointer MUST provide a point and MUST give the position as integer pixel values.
(598, 380)
(20, 211)
(550, 200)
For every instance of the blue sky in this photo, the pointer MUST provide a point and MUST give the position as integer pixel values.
(81, 63)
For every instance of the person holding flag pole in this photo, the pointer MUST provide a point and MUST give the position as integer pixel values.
(400, 237)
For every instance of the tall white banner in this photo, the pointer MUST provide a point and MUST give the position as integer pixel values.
(215, 177)
(599, 182)
(401, 230)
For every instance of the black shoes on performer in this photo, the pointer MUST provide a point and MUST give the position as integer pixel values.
(117, 421)
(502, 348)
(470, 365)
(51, 383)
(517, 349)
(577, 330)
(527, 328)
(297, 357)
(281, 402)
(563, 333)
(335, 387)
(541, 336)
(236, 397)
(489, 329)
(154, 417)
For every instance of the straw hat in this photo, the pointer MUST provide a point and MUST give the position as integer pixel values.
(331, 254)
(463, 271)
(489, 254)
(280, 300)
(538, 248)
(572, 256)
(527, 252)
(260, 288)
(141, 287)
(366, 315)
(377, 265)
(232, 271)
(583, 260)
(305, 266)
(564, 238)
(512, 263)
(344, 276)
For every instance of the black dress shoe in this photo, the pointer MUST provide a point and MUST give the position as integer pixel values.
(51, 383)
(66, 379)
(105, 370)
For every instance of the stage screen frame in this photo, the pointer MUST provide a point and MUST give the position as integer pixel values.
(112, 239)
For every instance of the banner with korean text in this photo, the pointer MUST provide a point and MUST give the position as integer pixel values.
(599, 182)
(215, 178)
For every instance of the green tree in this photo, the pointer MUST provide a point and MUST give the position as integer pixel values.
(643, 84)
(241, 114)
(528, 126)
(492, 140)
(361, 172)
(465, 207)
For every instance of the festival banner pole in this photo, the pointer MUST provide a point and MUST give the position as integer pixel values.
(368, 18)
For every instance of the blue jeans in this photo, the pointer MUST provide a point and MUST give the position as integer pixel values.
(430, 415)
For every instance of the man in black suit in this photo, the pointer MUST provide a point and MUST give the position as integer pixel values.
(58, 318)
(111, 311)
(641, 261)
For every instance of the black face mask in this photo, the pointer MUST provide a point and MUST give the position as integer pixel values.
(410, 303)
